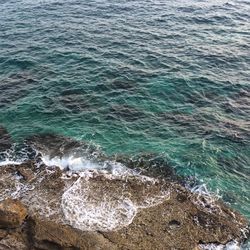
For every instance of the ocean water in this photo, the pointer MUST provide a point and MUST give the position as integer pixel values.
(165, 77)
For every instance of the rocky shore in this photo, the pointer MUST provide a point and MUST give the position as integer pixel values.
(35, 218)
(45, 207)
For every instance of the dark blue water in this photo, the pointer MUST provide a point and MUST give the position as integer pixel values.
(167, 77)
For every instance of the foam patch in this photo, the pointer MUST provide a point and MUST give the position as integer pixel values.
(9, 162)
(233, 245)
(108, 204)
(84, 209)
(72, 163)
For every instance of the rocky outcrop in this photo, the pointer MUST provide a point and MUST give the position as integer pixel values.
(164, 215)
(12, 213)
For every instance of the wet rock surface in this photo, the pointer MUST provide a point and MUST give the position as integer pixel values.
(166, 215)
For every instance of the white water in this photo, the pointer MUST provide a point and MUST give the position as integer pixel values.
(81, 164)
(87, 211)
(90, 208)
(233, 245)
(70, 162)
(9, 162)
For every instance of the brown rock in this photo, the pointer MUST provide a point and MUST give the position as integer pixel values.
(13, 242)
(3, 233)
(48, 235)
(12, 213)
(181, 221)
(26, 173)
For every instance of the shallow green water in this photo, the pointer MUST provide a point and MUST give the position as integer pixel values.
(169, 77)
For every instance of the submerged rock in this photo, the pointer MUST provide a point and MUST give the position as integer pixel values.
(5, 139)
(57, 146)
(150, 164)
(97, 210)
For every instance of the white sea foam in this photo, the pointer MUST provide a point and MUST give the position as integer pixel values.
(82, 163)
(155, 200)
(14, 156)
(233, 245)
(90, 207)
(203, 191)
(10, 162)
(84, 210)
(205, 198)
(70, 162)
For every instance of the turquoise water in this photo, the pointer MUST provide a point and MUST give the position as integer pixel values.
(168, 77)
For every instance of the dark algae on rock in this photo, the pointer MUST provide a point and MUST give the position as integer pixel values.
(5, 139)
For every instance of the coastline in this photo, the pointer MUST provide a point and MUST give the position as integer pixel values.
(110, 209)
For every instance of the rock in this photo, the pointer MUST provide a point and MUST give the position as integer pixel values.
(26, 173)
(178, 219)
(49, 236)
(13, 242)
(3, 233)
(172, 223)
(12, 213)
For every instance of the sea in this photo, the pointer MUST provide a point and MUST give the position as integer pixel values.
(163, 77)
